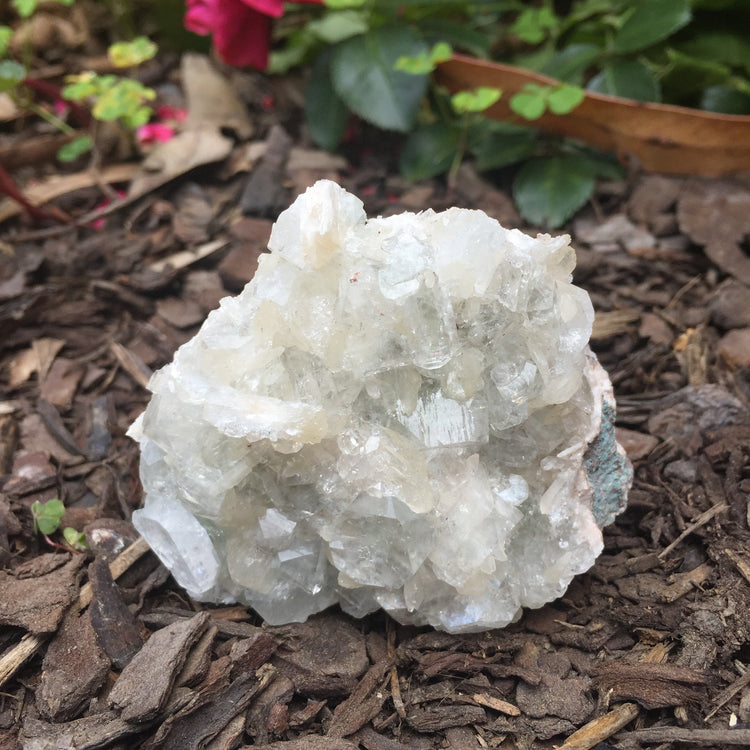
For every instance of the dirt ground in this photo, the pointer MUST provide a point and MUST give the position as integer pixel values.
(649, 649)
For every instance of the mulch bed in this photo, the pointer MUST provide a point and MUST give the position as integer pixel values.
(649, 649)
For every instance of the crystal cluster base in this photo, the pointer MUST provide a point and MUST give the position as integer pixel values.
(400, 413)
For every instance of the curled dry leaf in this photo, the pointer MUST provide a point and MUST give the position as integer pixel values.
(660, 137)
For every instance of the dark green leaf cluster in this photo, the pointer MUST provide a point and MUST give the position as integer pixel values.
(694, 53)
(375, 57)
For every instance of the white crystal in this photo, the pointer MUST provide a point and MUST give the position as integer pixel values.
(399, 413)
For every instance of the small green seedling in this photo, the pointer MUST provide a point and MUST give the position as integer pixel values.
(132, 53)
(426, 61)
(475, 100)
(534, 100)
(47, 517)
(25, 8)
(74, 538)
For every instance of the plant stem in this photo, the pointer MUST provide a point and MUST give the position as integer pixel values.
(53, 120)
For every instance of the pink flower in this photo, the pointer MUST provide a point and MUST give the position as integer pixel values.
(154, 132)
(61, 108)
(241, 28)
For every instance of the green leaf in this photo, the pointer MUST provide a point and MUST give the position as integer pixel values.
(47, 515)
(549, 190)
(25, 8)
(326, 115)
(74, 538)
(293, 53)
(427, 61)
(688, 74)
(628, 78)
(5, 36)
(123, 99)
(650, 22)
(475, 100)
(603, 166)
(534, 23)
(364, 76)
(725, 100)
(564, 99)
(720, 46)
(501, 144)
(71, 151)
(472, 41)
(80, 86)
(429, 151)
(530, 103)
(11, 74)
(335, 27)
(570, 63)
(344, 4)
(129, 54)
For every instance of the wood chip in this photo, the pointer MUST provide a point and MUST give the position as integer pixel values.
(117, 628)
(197, 724)
(143, 688)
(38, 604)
(74, 668)
(482, 699)
(652, 685)
(132, 364)
(187, 257)
(363, 704)
(436, 718)
(602, 728)
(701, 737)
(324, 656)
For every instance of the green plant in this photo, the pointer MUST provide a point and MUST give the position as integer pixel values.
(374, 59)
(47, 518)
(376, 62)
(112, 97)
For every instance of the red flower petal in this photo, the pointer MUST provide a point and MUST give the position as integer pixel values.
(201, 16)
(242, 35)
(273, 8)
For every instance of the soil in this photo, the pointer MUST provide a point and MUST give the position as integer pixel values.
(649, 649)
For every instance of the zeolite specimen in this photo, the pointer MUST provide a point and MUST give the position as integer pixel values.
(400, 413)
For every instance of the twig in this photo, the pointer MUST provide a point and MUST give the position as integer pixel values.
(12, 661)
(398, 701)
(9, 188)
(739, 563)
(728, 693)
(700, 737)
(600, 729)
(702, 520)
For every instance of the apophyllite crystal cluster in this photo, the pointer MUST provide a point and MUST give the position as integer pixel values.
(398, 412)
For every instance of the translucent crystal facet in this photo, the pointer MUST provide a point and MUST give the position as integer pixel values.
(400, 413)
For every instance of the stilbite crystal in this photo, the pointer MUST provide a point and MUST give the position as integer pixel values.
(400, 413)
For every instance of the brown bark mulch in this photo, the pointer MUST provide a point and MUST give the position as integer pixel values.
(649, 649)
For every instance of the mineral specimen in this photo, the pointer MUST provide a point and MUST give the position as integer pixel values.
(399, 412)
